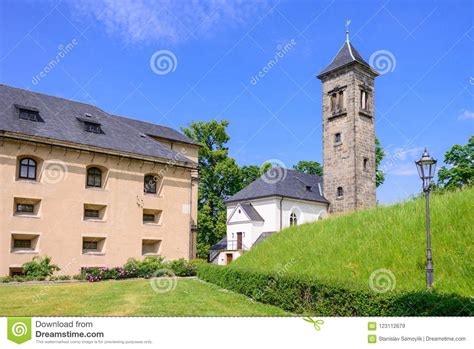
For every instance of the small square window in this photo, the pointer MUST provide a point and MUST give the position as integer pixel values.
(148, 218)
(89, 213)
(20, 243)
(337, 138)
(25, 208)
(150, 247)
(89, 245)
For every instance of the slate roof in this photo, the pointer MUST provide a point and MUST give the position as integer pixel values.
(251, 212)
(221, 245)
(263, 236)
(292, 184)
(346, 55)
(63, 120)
(215, 249)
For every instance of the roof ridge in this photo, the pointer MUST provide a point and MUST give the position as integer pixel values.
(52, 96)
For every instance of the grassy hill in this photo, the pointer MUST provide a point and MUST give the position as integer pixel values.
(349, 248)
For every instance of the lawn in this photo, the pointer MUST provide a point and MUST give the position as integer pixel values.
(351, 247)
(191, 297)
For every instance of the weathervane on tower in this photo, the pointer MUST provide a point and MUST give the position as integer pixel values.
(348, 22)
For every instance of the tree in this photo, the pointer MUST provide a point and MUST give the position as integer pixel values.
(309, 167)
(220, 177)
(379, 155)
(461, 171)
(250, 173)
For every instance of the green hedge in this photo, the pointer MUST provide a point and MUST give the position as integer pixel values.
(302, 295)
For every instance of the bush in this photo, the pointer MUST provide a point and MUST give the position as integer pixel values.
(151, 266)
(39, 267)
(304, 295)
(148, 267)
(181, 267)
(98, 274)
(60, 277)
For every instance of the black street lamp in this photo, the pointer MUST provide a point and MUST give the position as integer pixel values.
(426, 169)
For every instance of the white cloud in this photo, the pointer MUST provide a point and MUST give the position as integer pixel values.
(139, 21)
(466, 115)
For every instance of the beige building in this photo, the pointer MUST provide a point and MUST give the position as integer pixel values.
(89, 188)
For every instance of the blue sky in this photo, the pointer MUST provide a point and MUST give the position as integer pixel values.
(103, 49)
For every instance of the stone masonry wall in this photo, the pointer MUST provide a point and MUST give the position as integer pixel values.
(344, 161)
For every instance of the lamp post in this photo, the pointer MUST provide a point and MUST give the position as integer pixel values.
(426, 168)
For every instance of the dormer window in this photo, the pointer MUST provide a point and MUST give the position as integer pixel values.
(30, 115)
(309, 188)
(92, 127)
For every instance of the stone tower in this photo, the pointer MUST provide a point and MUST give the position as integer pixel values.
(348, 131)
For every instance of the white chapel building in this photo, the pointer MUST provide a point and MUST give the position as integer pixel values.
(267, 206)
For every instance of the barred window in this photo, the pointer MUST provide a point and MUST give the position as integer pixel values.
(89, 245)
(25, 208)
(89, 213)
(148, 218)
(20, 243)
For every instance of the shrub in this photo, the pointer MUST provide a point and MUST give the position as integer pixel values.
(151, 266)
(304, 295)
(78, 277)
(181, 267)
(148, 267)
(39, 267)
(60, 277)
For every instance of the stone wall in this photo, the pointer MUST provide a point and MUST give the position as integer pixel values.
(344, 161)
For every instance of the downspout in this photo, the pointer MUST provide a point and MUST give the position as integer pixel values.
(191, 240)
(281, 213)
(192, 225)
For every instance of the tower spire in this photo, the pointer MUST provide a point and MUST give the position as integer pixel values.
(348, 22)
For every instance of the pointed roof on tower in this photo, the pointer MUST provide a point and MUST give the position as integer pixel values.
(347, 55)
